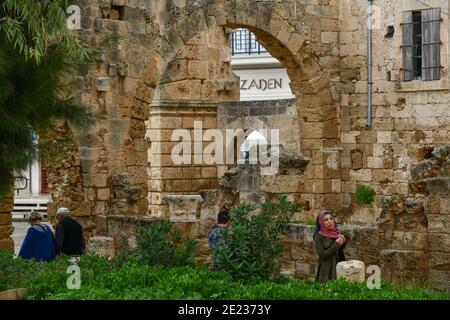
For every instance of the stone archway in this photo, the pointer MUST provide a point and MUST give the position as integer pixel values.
(309, 81)
(133, 45)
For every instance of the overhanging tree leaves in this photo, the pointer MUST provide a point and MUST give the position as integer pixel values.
(34, 92)
(32, 25)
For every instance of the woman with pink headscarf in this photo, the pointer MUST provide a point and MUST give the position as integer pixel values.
(329, 243)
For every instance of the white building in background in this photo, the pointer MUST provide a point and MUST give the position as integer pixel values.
(31, 191)
(262, 76)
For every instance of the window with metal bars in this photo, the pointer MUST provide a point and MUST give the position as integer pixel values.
(242, 41)
(421, 45)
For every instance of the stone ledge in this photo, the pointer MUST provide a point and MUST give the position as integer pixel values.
(169, 103)
(13, 294)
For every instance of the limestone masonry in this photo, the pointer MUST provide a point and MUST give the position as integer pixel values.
(160, 65)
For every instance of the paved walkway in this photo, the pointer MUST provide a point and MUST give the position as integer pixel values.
(20, 230)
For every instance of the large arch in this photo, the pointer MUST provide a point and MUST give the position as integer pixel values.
(310, 82)
(133, 42)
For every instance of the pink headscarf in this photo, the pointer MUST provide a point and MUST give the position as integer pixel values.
(333, 233)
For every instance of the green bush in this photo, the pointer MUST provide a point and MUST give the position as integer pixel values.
(365, 194)
(12, 271)
(104, 280)
(162, 244)
(311, 222)
(252, 240)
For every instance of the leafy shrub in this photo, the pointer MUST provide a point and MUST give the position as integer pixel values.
(17, 272)
(123, 250)
(311, 222)
(12, 271)
(162, 244)
(252, 240)
(102, 279)
(365, 194)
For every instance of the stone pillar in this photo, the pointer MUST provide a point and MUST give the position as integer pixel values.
(431, 177)
(319, 142)
(194, 174)
(6, 228)
(183, 210)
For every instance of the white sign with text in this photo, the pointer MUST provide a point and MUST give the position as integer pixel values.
(264, 84)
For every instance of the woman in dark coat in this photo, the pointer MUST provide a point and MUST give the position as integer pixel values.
(329, 243)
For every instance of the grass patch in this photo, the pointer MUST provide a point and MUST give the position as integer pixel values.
(133, 279)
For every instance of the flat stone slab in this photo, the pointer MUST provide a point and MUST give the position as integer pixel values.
(13, 294)
(102, 246)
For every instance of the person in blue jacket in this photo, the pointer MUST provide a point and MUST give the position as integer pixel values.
(39, 243)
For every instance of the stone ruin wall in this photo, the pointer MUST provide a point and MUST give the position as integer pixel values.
(194, 81)
(410, 120)
(135, 66)
(142, 55)
(6, 228)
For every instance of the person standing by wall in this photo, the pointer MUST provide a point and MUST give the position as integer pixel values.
(215, 235)
(69, 234)
(329, 244)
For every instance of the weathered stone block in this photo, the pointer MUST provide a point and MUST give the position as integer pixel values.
(353, 271)
(102, 246)
(357, 158)
(361, 175)
(103, 84)
(439, 185)
(440, 280)
(409, 240)
(198, 69)
(5, 231)
(100, 55)
(183, 208)
(439, 241)
(7, 244)
(122, 179)
(5, 219)
(81, 209)
(13, 294)
(133, 193)
(281, 184)
(445, 206)
(103, 194)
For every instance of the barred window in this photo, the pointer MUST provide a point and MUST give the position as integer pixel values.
(242, 41)
(421, 45)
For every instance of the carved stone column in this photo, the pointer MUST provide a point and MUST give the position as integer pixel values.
(183, 208)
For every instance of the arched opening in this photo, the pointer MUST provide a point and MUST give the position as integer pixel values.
(196, 92)
(110, 171)
(249, 148)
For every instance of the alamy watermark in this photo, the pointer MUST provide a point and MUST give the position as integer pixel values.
(222, 150)
(74, 280)
(74, 19)
(374, 280)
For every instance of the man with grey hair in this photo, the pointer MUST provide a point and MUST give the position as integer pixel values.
(69, 234)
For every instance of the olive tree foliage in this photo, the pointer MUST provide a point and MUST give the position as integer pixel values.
(31, 26)
(38, 56)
